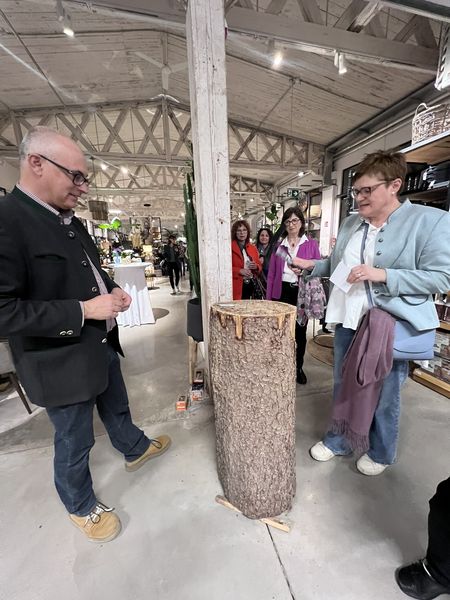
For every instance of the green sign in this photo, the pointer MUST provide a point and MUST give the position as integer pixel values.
(293, 193)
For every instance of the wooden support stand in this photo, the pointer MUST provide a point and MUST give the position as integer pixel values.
(276, 523)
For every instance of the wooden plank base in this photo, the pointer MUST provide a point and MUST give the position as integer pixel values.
(273, 522)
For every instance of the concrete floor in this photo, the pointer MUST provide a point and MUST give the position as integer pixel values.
(349, 531)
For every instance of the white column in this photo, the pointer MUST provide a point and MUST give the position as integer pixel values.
(205, 32)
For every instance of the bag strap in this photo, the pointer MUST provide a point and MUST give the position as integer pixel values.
(363, 245)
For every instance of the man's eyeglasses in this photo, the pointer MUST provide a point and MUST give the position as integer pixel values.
(366, 191)
(292, 222)
(77, 176)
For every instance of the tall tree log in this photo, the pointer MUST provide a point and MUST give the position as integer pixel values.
(252, 369)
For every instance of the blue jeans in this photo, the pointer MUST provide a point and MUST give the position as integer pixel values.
(74, 438)
(383, 436)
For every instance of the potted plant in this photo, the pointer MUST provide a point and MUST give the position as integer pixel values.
(272, 216)
(194, 307)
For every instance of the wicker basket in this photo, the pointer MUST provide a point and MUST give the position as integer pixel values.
(429, 121)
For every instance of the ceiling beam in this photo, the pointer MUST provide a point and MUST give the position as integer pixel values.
(276, 7)
(366, 15)
(310, 11)
(313, 37)
(436, 9)
(118, 158)
(360, 14)
(156, 9)
(164, 11)
(131, 104)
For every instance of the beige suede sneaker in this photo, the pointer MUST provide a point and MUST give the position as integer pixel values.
(100, 525)
(157, 447)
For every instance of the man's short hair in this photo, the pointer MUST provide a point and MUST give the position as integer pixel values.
(390, 165)
(37, 140)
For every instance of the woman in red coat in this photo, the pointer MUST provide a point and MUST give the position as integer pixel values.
(245, 261)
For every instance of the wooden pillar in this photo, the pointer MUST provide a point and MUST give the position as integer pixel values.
(205, 33)
(252, 367)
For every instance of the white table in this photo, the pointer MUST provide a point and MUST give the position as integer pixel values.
(131, 278)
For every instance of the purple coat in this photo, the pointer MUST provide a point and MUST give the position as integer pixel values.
(308, 250)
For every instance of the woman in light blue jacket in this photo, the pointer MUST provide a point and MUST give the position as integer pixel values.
(406, 260)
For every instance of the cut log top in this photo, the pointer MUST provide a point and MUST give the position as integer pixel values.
(238, 310)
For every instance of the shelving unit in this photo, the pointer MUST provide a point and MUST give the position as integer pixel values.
(430, 152)
(313, 213)
(432, 382)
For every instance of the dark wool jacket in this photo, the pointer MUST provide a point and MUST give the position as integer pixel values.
(44, 274)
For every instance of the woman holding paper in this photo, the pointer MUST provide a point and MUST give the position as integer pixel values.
(405, 262)
(282, 279)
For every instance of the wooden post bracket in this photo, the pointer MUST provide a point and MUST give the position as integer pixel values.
(273, 522)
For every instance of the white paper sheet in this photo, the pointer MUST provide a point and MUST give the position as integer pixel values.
(339, 277)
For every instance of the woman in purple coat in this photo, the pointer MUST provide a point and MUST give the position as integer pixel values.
(282, 280)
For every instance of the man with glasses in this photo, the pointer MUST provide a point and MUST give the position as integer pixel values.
(58, 309)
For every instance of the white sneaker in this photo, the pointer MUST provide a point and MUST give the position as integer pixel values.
(367, 466)
(321, 452)
(178, 290)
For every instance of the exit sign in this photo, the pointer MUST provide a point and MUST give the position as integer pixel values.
(293, 193)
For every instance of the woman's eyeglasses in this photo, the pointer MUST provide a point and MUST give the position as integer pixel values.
(291, 222)
(367, 190)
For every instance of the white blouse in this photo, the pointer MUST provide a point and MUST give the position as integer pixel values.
(348, 308)
(288, 273)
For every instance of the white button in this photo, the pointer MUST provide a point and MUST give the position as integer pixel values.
(63, 333)
(104, 340)
(69, 332)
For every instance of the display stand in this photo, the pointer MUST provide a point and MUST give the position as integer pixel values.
(254, 404)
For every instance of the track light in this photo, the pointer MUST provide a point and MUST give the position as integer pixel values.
(340, 62)
(64, 18)
(275, 55)
(277, 59)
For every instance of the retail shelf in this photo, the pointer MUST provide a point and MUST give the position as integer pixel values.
(444, 325)
(428, 195)
(431, 382)
(431, 151)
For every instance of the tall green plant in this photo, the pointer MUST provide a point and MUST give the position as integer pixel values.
(191, 233)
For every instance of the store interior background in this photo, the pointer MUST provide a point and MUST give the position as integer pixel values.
(121, 85)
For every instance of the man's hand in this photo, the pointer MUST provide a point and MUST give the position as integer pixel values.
(105, 306)
(126, 298)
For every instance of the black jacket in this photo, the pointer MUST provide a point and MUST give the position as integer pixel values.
(44, 273)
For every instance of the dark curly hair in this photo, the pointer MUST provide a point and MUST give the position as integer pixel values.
(235, 226)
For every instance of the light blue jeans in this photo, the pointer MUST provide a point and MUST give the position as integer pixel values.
(383, 436)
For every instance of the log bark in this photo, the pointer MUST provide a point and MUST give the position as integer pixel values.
(252, 369)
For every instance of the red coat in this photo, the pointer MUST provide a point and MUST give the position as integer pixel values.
(237, 263)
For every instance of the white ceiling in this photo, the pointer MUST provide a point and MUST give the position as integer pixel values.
(116, 61)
